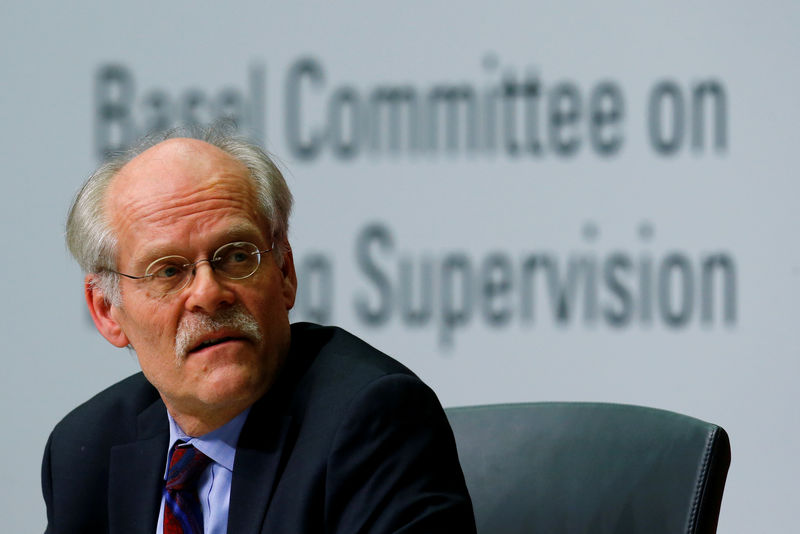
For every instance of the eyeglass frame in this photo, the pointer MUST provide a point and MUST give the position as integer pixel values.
(257, 252)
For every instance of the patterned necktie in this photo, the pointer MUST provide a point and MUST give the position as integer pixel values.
(182, 511)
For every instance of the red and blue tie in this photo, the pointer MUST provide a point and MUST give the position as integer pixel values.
(182, 511)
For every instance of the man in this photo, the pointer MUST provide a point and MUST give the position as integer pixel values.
(239, 422)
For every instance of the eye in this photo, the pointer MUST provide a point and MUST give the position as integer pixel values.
(237, 252)
(168, 271)
(239, 256)
(236, 260)
(169, 268)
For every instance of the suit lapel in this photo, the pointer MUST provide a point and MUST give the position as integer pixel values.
(260, 457)
(136, 475)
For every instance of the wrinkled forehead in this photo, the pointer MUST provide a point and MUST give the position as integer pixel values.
(180, 189)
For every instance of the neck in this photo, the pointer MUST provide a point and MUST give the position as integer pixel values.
(199, 425)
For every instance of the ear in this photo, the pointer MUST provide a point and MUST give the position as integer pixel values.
(289, 275)
(102, 313)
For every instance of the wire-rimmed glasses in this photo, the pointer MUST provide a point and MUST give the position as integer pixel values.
(170, 274)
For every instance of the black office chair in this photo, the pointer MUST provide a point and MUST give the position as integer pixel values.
(569, 468)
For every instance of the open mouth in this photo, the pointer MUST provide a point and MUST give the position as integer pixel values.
(212, 342)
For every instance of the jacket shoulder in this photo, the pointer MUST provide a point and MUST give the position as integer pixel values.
(321, 346)
(113, 411)
(333, 365)
(331, 368)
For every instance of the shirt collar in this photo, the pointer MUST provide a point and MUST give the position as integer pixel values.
(219, 444)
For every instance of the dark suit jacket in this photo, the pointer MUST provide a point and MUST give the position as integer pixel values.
(348, 440)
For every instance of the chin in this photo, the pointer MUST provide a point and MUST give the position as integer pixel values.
(234, 385)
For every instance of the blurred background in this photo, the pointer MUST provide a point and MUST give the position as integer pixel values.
(521, 201)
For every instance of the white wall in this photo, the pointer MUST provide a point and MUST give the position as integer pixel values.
(618, 206)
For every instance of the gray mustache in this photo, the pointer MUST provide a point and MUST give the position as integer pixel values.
(196, 325)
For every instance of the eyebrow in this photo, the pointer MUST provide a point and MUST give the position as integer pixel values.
(241, 230)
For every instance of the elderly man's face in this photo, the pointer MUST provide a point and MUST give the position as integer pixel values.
(185, 197)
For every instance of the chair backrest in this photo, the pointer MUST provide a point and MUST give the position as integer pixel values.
(595, 468)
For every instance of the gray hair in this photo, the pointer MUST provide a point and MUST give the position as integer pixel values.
(93, 243)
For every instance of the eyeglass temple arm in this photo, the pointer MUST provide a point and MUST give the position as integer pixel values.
(130, 275)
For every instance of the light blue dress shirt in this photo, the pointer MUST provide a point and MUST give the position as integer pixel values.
(214, 485)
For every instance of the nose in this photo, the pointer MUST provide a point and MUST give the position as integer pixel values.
(207, 291)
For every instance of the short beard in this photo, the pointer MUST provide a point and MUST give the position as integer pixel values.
(193, 326)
